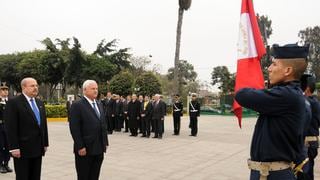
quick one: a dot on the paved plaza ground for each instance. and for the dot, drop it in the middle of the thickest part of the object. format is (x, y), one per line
(218, 153)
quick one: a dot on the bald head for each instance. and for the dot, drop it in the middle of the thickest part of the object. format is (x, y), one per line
(29, 87)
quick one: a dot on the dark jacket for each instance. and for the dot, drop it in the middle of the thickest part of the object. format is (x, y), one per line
(194, 109)
(147, 111)
(158, 110)
(278, 132)
(23, 131)
(87, 129)
(177, 109)
(134, 109)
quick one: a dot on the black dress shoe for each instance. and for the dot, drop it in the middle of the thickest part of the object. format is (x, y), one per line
(3, 169)
(160, 137)
(131, 135)
(143, 135)
(8, 168)
(155, 137)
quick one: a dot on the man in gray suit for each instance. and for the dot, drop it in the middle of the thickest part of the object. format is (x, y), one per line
(158, 113)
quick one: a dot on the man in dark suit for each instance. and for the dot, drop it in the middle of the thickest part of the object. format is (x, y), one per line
(118, 113)
(158, 113)
(109, 107)
(89, 132)
(146, 107)
(26, 125)
(68, 106)
(134, 108)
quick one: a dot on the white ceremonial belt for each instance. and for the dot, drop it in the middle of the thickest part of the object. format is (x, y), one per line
(176, 110)
(265, 167)
(193, 110)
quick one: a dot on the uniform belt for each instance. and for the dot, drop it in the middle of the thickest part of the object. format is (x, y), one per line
(311, 138)
(265, 167)
(193, 110)
(308, 139)
(177, 110)
(1, 121)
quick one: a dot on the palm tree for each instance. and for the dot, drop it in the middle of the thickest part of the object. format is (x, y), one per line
(183, 6)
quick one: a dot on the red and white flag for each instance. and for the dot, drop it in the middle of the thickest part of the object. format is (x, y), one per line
(250, 51)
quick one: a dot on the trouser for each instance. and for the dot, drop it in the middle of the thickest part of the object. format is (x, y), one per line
(194, 125)
(286, 174)
(88, 167)
(312, 154)
(126, 123)
(4, 151)
(158, 127)
(27, 168)
(145, 126)
(134, 131)
(176, 124)
(118, 122)
(111, 123)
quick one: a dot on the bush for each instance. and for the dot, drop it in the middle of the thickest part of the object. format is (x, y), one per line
(55, 111)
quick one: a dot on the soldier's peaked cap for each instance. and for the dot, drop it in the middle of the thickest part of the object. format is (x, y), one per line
(290, 51)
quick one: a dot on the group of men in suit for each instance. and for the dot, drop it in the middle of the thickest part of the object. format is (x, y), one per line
(145, 114)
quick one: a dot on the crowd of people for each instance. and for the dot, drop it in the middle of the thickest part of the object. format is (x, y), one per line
(145, 115)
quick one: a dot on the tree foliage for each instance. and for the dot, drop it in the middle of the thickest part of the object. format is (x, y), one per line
(148, 84)
(122, 83)
(311, 35)
(223, 78)
(186, 74)
(266, 30)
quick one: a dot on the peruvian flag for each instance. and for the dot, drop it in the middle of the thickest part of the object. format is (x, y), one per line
(250, 51)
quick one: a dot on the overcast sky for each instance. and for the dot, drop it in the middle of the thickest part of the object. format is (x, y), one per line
(148, 27)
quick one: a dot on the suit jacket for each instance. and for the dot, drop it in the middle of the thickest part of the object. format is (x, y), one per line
(158, 110)
(146, 111)
(23, 131)
(109, 107)
(87, 129)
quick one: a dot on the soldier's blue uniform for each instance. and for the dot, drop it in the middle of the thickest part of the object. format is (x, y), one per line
(312, 129)
(278, 131)
(4, 151)
(278, 137)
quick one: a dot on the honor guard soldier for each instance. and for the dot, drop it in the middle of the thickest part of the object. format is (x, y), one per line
(194, 113)
(177, 113)
(4, 151)
(277, 136)
(308, 86)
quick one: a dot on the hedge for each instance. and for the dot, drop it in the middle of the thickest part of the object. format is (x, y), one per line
(56, 111)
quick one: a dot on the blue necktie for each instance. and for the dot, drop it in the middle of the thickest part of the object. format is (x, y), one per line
(95, 109)
(35, 110)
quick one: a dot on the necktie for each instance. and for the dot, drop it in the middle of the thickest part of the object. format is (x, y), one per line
(35, 110)
(95, 109)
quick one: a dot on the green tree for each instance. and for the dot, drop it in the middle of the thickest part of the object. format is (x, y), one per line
(148, 84)
(186, 74)
(183, 6)
(223, 78)
(75, 74)
(311, 35)
(108, 51)
(122, 83)
(8, 70)
(29, 66)
(266, 30)
(99, 69)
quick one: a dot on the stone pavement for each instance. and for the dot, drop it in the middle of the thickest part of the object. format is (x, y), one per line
(218, 153)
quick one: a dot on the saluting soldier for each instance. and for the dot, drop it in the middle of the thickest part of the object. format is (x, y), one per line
(277, 136)
(194, 113)
(177, 113)
(308, 86)
(4, 151)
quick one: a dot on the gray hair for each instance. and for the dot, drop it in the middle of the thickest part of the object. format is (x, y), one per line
(25, 80)
(86, 83)
(157, 95)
